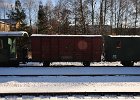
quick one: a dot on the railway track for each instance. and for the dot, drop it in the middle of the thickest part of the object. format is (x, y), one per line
(74, 95)
(84, 74)
(71, 94)
(70, 82)
(71, 75)
(69, 71)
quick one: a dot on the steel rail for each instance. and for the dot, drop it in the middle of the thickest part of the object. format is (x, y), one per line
(70, 94)
(71, 75)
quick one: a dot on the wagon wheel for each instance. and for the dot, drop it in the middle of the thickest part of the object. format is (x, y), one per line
(127, 63)
(46, 63)
(13, 63)
(86, 63)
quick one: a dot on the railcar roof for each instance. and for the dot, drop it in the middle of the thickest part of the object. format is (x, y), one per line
(44, 35)
(124, 36)
(14, 33)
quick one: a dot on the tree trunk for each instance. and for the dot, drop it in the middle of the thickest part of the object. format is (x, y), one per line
(101, 17)
(82, 18)
(92, 14)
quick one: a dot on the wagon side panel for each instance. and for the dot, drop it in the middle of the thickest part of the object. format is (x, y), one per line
(4, 50)
(46, 48)
(97, 50)
(130, 49)
(36, 47)
(108, 48)
(54, 49)
(83, 49)
(66, 48)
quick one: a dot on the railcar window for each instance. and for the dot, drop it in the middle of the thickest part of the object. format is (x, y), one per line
(12, 44)
(118, 44)
(1, 44)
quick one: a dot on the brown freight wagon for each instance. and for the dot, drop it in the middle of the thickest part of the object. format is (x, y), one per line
(66, 48)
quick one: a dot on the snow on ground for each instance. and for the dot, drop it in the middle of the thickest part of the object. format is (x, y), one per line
(69, 87)
(70, 84)
(78, 64)
(74, 64)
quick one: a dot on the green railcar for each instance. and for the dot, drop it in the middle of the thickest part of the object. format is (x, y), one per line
(11, 44)
(125, 49)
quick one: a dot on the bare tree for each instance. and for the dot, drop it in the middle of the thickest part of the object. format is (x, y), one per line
(119, 13)
(92, 4)
(105, 10)
(75, 14)
(57, 15)
(3, 8)
(101, 17)
(31, 7)
(111, 18)
(84, 13)
(82, 19)
(136, 12)
(48, 9)
(126, 15)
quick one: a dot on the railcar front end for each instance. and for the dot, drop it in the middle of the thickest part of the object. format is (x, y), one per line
(9, 54)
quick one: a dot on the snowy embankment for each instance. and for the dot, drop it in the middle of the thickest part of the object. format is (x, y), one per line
(16, 87)
(70, 84)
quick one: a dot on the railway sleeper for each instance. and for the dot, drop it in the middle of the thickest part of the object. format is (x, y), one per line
(46, 63)
(127, 63)
(86, 63)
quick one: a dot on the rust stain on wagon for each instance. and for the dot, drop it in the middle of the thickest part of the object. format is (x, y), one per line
(82, 45)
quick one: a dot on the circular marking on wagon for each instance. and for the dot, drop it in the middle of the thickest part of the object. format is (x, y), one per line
(82, 45)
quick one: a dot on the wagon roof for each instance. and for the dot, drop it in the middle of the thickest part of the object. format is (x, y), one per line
(14, 33)
(124, 36)
(44, 35)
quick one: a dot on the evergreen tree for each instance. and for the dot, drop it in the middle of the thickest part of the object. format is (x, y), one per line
(18, 14)
(42, 22)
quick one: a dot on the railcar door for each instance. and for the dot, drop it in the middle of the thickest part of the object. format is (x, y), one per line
(66, 47)
(112, 48)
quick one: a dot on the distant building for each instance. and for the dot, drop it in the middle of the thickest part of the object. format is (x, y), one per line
(8, 25)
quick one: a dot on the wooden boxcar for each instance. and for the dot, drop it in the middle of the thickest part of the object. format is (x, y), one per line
(8, 47)
(66, 48)
(122, 48)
